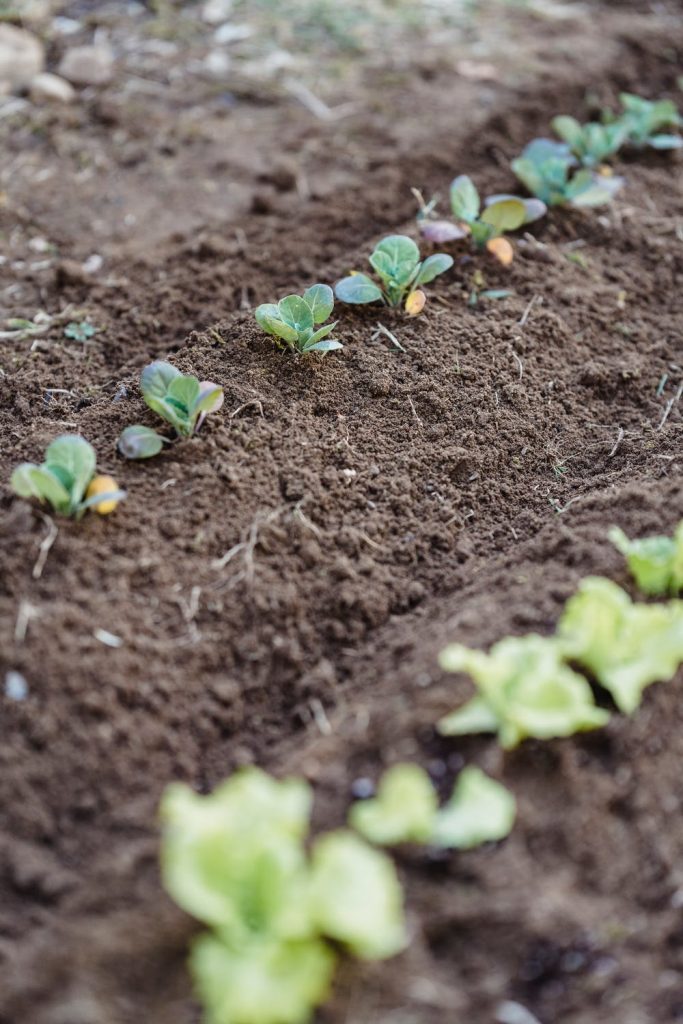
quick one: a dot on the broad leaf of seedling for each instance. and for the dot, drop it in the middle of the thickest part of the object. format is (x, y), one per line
(587, 189)
(320, 298)
(265, 314)
(296, 312)
(396, 258)
(323, 346)
(274, 325)
(656, 563)
(480, 810)
(570, 130)
(505, 215)
(79, 331)
(358, 289)
(534, 209)
(465, 202)
(74, 457)
(183, 392)
(440, 231)
(403, 810)
(432, 267)
(156, 379)
(209, 399)
(31, 481)
(138, 442)
(662, 141)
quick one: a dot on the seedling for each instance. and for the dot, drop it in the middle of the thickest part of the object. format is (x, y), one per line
(295, 320)
(593, 143)
(626, 646)
(656, 563)
(237, 860)
(396, 261)
(79, 331)
(524, 690)
(67, 481)
(406, 810)
(545, 168)
(180, 399)
(501, 213)
(644, 121)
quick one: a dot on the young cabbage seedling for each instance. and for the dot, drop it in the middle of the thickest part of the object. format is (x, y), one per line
(295, 321)
(67, 479)
(180, 399)
(656, 563)
(644, 121)
(396, 261)
(501, 213)
(545, 168)
(593, 143)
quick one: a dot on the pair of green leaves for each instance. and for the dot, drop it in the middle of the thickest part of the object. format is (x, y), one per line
(237, 860)
(396, 261)
(406, 810)
(545, 168)
(591, 143)
(180, 399)
(63, 478)
(500, 214)
(295, 320)
(644, 121)
(656, 563)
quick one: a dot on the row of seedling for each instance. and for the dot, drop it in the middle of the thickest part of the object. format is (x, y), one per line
(280, 910)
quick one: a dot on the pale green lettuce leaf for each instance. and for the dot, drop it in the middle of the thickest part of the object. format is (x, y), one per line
(656, 563)
(480, 810)
(403, 810)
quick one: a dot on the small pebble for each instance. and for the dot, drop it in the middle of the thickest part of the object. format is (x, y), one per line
(16, 687)
(48, 88)
(362, 788)
(216, 11)
(21, 56)
(88, 65)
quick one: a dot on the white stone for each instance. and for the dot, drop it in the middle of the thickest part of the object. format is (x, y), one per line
(230, 33)
(21, 56)
(216, 11)
(88, 65)
(48, 88)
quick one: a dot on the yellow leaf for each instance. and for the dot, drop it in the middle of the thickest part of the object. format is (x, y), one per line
(103, 485)
(415, 302)
(502, 250)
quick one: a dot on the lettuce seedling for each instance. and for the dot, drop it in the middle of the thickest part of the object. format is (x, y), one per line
(656, 563)
(406, 810)
(67, 481)
(181, 399)
(524, 690)
(593, 143)
(237, 860)
(295, 320)
(644, 121)
(501, 213)
(396, 261)
(545, 169)
(626, 646)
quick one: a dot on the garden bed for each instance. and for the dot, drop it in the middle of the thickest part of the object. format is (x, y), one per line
(279, 587)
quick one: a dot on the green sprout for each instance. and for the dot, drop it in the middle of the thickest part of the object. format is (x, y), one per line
(593, 143)
(545, 169)
(396, 261)
(525, 689)
(180, 399)
(644, 121)
(67, 480)
(238, 861)
(79, 331)
(295, 320)
(406, 810)
(500, 214)
(626, 646)
(656, 563)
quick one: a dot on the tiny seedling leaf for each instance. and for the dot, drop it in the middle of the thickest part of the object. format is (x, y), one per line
(358, 289)
(320, 298)
(656, 563)
(403, 810)
(465, 202)
(138, 442)
(432, 267)
(480, 810)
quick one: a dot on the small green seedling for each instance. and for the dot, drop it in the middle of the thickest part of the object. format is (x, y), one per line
(406, 810)
(525, 689)
(644, 121)
(501, 213)
(626, 646)
(295, 321)
(79, 331)
(180, 399)
(545, 168)
(396, 261)
(593, 143)
(238, 860)
(67, 480)
(656, 563)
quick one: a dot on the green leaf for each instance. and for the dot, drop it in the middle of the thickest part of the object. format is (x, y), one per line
(156, 379)
(281, 330)
(320, 298)
(356, 896)
(183, 392)
(505, 215)
(398, 255)
(662, 141)
(656, 563)
(479, 811)
(569, 129)
(626, 646)
(473, 717)
(465, 202)
(75, 457)
(357, 289)
(588, 189)
(526, 686)
(209, 399)
(296, 313)
(440, 231)
(265, 314)
(321, 333)
(323, 346)
(31, 481)
(403, 810)
(263, 983)
(138, 442)
(79, 331)
(432, 267)
(97, 499)
(235, 859)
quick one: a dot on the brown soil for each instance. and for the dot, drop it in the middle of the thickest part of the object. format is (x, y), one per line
(386, 502)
